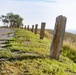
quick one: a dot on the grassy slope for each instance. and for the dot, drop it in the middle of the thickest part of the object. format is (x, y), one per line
(28, 55)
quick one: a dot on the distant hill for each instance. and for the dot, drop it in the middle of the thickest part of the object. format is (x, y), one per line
(72, 31)
(68, 35)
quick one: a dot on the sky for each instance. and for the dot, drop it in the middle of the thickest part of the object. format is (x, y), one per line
(37, 11)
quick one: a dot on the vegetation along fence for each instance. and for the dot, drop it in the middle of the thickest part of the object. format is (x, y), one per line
(58, 35)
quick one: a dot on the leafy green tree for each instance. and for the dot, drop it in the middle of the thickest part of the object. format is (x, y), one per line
(4, 19)
(14, 20)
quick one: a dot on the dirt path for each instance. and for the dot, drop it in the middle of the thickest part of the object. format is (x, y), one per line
(6, 33)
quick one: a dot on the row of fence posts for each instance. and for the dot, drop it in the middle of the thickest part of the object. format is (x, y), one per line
(59, 31)
(42, 30)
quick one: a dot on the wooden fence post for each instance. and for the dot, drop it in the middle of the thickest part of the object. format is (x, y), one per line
(32, 28)
(28, 27)
(25, 27)
(36, 28)
(58, 36)
(42, 30)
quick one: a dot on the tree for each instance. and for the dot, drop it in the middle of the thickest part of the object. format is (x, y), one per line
(14, 20)
(4, 19)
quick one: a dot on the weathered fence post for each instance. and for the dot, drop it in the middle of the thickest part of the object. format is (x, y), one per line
(58, 36)
(32, 28)
(28, 27)
(25, 27)
(42, 30)
(36, 28)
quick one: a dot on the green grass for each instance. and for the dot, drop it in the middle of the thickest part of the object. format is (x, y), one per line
(28, 55)
(69, 52)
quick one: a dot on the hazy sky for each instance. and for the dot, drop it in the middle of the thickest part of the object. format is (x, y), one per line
(37, 11)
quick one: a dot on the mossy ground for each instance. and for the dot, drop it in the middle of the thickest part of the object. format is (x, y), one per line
(28, 55)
